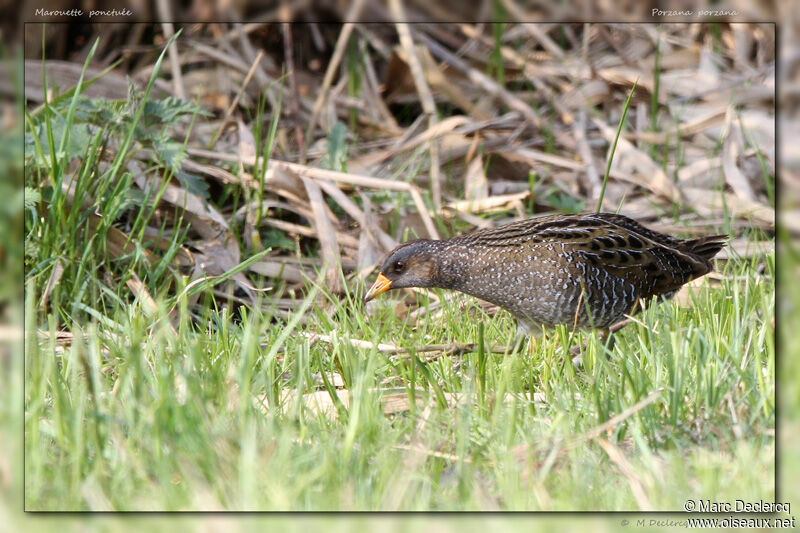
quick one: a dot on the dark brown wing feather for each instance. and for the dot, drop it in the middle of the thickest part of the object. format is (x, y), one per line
(653, 262)
(706, 247)
(656, 263)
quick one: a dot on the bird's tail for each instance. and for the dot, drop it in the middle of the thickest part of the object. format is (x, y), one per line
(706, 247)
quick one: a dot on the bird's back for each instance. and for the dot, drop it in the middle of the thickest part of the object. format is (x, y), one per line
(588, 270)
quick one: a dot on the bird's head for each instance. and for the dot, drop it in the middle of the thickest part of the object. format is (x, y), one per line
(412, 264)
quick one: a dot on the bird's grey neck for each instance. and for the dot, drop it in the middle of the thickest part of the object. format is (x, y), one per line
(451, 263)
(454, 259)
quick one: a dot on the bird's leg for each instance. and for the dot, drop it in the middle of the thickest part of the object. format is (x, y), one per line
(531, 334)
(525, 335)
(532, 344)
(522, 334)
(577, 355)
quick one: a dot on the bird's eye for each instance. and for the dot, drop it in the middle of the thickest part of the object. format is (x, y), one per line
(399, 266)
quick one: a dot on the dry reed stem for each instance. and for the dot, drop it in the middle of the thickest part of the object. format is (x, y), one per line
(326, 235)
(333, 175)
(425, 95)
(294, 101)
(699, 102)
(333, 65)
(165, 14)
(235, 102)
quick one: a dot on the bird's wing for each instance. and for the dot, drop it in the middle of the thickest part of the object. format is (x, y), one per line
(654, 262)
(615, 243)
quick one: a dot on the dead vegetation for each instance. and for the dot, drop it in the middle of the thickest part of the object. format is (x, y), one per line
(383, 132)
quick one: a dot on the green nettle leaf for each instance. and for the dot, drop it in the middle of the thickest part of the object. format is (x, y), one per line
(80, 137)
(115, 117)
(194, 184)
(109, 114)
(171, 153)
(112, 112)
(32, 198)
(170, 109)
(31, 249)
(274, 238)
(85, 108)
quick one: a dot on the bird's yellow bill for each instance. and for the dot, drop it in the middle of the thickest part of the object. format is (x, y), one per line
(381, 285)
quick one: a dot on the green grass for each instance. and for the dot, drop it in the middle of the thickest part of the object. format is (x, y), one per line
(199, 404)
(134, 416)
